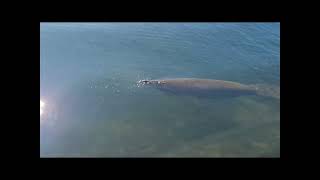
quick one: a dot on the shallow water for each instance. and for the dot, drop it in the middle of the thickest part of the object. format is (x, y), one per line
(94, 107)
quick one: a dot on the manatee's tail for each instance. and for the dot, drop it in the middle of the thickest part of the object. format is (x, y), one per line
(267, 90)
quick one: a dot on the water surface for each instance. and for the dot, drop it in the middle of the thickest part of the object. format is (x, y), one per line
(94, 108)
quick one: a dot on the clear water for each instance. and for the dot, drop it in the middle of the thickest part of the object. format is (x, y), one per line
(94, 107)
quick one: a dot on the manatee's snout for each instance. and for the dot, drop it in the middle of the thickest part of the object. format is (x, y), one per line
(156, 82)
(143, 82)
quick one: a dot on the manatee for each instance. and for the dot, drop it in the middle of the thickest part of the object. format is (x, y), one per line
(208, 87)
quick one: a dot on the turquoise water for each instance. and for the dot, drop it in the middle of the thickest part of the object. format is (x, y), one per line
(94, 108)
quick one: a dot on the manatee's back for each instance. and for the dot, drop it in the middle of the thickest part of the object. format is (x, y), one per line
(205, 86)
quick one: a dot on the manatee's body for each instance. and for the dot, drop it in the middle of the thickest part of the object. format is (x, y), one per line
(202, 87)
